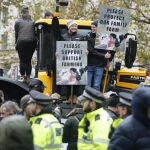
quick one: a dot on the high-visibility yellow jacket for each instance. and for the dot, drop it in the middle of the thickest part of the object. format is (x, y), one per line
(96, 137)
(47, 132)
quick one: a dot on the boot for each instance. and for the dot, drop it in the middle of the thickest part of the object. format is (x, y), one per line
(26, 79)
(74, 99)
(69, 100)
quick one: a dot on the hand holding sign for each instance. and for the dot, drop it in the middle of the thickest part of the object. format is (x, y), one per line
(107, 55)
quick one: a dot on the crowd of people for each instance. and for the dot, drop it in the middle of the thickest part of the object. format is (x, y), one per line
(121, 121)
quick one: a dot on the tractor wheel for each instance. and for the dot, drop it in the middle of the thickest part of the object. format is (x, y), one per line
(130, 53)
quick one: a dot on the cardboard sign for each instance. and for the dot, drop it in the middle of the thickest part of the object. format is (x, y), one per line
(112, 26)
(71, 62)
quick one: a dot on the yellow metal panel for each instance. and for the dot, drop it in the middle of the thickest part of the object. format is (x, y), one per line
(132, 71)
(126, 85)
(131, 75)
(47, 80)
(64, 22)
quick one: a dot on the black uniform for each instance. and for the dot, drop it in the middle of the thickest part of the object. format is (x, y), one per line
(70, 134)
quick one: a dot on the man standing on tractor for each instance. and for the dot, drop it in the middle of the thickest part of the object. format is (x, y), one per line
(97, 59)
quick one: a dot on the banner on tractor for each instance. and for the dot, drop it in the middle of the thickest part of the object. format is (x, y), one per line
(112, 27)
(71, 62)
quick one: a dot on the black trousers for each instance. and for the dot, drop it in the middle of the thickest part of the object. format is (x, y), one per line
(25, 52)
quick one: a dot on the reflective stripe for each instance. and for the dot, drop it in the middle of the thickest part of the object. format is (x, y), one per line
(52, 138)
(37, 147)
(48, 124)
(98, 140)
(101, 140)
(53, 141)
(125, 101)
(83, 141)
(53, 146)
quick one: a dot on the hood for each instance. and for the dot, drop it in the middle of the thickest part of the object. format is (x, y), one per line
(140, 105)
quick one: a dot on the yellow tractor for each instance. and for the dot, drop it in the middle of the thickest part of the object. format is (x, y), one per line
(48, 32)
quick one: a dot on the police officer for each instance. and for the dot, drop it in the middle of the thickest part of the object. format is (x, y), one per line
(95, 125)
(36, 84)
(47, 130)
(124, 110)
(124, 106)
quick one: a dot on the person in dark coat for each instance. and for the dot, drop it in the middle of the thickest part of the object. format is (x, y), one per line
(113, 110)
(134, 132)
(112, 103)
(72, 34)
(25, 42)
(70, 130)
(97, 59)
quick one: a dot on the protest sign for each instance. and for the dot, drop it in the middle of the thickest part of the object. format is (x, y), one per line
(71, 61)
(112, 26)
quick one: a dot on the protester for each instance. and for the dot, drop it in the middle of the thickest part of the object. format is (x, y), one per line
(25, 42)
(8, 108)
(112, 108)
(147, 80)
(134, 131)
(72, 35)
(47, 130)
(16, 134)
(1, 97)
(97, 59)
(57, 110)
(48, 15)
(94, 127)
(146, 83)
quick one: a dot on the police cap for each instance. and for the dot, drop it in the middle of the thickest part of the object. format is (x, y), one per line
(93, 94)
(80, 99)
(25, 100)
(125, 98)
(40, 98)
(36, 84)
